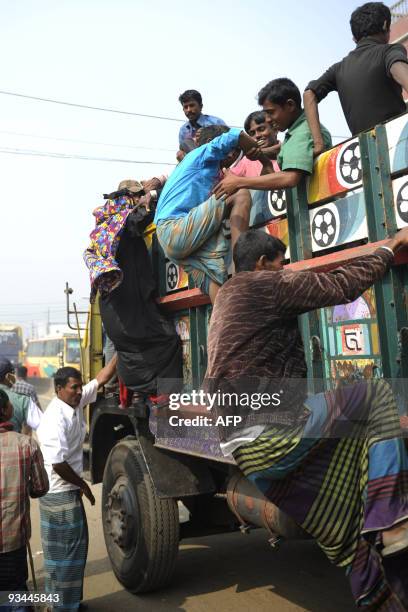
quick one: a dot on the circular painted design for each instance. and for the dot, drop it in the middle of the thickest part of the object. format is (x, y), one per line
(348, 166)
(172, 276)
(325, 227)
(402, 202)
(277, 201)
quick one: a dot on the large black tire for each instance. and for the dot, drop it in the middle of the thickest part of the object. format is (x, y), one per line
(141, 531)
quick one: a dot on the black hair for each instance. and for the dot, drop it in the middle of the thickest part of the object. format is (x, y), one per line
(210, 132)
(4, 401)
(369, 18)
(251, 245)
(21, 371)
(190, 94)
(257, 116)
(63, 374)
(280, 91)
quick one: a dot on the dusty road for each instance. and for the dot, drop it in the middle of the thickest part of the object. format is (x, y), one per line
(227, 573)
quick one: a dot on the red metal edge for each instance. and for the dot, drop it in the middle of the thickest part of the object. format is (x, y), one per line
(195, 297)
(340, 258)
(184, 299)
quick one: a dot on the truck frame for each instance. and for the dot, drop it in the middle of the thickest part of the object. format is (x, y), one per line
(356, 198)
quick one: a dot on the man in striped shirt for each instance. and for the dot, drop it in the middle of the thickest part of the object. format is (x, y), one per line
(307, 453)
(22, 475)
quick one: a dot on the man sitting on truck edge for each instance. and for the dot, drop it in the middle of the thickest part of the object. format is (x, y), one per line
(335, 462)
(192, 104)
(189, 218)
(369, 80)
(259, 126)
(281, 99)
(64, 530)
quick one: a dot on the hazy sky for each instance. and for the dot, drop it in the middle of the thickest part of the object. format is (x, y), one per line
(136, 56)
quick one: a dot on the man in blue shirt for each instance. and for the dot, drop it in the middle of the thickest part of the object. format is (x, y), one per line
(189, 219)
(192, 104)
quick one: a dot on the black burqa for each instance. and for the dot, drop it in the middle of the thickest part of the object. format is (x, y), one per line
(146, 342)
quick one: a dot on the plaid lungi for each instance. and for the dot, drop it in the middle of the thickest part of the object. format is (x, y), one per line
(197, 242)
(343, 476)
(64, 535)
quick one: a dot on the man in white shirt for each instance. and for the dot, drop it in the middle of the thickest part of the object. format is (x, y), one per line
(64, 530)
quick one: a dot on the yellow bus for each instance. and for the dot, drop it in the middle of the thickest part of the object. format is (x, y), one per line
(45, 355)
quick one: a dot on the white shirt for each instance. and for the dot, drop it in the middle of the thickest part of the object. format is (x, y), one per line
(61, 434)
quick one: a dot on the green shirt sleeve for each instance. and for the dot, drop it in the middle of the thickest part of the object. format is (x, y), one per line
(297, 152)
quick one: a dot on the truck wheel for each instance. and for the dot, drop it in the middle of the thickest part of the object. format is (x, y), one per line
(141, 531)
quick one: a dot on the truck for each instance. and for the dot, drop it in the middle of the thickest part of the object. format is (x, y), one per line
(355, 199)
(11, 343)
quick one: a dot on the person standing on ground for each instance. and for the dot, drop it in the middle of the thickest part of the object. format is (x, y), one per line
(64, 530)
(23, 387)
(369, 80)
(22, 475)
(26, 413)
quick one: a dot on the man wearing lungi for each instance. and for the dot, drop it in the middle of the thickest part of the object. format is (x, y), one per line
(64, 530)
(335, 462)
(22, 475)
(189, 219)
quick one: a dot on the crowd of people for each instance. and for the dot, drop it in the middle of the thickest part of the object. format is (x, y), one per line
(335, 462)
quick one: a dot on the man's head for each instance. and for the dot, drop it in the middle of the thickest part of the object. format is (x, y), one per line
(7, 376)
(68, 386)
(207, 134)
(257, 250)
(259, 126)
(6, 408)
(21, 372)
(371, 19)
(281, 99)
(192, 104)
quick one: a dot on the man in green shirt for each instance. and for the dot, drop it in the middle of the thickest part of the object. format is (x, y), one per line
(281, 99)
(21, 403)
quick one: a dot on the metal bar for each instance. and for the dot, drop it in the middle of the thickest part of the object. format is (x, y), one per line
(391, 314)
(191, 298)
(299, 232)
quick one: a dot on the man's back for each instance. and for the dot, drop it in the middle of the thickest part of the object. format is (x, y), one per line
(368, 93)
(22, 387)
(247, 335)
(21, 405)
(191, 182)
(21, 473)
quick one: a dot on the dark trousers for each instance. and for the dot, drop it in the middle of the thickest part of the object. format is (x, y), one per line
(13, 573)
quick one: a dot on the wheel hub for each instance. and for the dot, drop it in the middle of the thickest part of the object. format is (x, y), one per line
(120, 515)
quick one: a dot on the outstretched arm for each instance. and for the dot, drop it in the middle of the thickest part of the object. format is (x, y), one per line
(276, 180)
(312, 116)
(107, 372)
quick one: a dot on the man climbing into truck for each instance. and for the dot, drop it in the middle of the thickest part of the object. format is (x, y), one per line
(189, 218)
(334, 462)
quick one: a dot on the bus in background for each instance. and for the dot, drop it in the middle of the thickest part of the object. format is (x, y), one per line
(11, 343)
(45, 355)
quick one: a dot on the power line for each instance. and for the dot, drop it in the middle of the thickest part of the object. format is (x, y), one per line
(98, 108)
(106, 144)
(32, 152)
